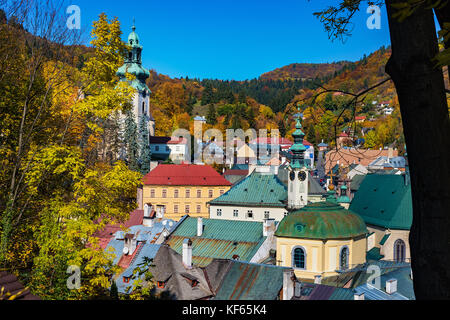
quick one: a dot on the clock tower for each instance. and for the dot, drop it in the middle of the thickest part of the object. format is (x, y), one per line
(298, 171)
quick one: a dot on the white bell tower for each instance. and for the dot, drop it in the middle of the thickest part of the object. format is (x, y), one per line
(299, 174)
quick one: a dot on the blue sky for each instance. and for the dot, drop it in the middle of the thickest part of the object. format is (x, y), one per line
(233, 39)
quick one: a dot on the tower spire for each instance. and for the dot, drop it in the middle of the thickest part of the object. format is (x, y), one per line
(298, 149)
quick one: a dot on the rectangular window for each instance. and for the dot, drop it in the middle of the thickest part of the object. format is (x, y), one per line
(211, 194)
(219, 212)
(157, 148)
(167, 149)
(199, 208)
(199, 193)
(222, 192)
(176, 193)
(235, 213)
(164, 193)
(175, 208)
(188, 193)
(187, 209)
(250, 214)
(266, 215)
(152, 193)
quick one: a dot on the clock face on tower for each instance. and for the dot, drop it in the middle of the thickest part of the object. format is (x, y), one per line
(302, 176)
(292, 175)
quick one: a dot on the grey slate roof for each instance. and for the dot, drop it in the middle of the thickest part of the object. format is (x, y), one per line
(220, 280)
(169, 268)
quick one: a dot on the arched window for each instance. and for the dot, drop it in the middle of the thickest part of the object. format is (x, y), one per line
(299, 258)
(343, 258)
(399, 251)
(143, 107)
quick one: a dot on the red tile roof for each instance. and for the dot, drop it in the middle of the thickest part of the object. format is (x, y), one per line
(236, 173)
(177, 141)
(108, 232)
(269, 141)
(185, 175)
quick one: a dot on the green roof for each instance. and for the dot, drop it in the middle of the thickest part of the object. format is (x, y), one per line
(374, 254)
(221, 239)
(384, 201)
(258, 189)
(322, 220)
(386, 236)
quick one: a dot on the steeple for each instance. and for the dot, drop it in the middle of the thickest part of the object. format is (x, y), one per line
(133, 63)
(298, 149)
(299, 175)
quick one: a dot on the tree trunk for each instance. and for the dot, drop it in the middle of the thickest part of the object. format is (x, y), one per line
(421, 93)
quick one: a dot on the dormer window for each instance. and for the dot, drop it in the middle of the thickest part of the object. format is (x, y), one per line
(126, 280)
(161, 284)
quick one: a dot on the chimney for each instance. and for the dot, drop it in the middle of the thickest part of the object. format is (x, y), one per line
(359, 296)
(268, 227)
(390, 153)
(318, 279)
(148, 221)
(297, 289)
(187, 253)
(160, 210)
(147, 212)
(391, 286)
(288, 284)
(200, 227)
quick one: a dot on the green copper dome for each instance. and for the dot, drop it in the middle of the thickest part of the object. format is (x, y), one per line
(133, 39)
(133, 64)
(322, 220)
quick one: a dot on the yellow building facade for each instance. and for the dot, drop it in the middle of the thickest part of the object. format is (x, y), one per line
(320, 240)
(179, 190)
(179, 201)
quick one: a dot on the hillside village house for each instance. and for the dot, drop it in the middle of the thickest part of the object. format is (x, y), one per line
(177, 190)
(175, 149)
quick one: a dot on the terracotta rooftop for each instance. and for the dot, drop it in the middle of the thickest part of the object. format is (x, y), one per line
(346, 157)
(185, 175)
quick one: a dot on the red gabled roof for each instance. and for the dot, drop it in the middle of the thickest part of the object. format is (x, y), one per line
(185, 175)
(177, 141)
(108, 232)
(360, 118)
(236, 173)
(268, 140)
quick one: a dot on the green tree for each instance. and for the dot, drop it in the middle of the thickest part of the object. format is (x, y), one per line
(211, 117)
(131, 141)
(144, 146)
